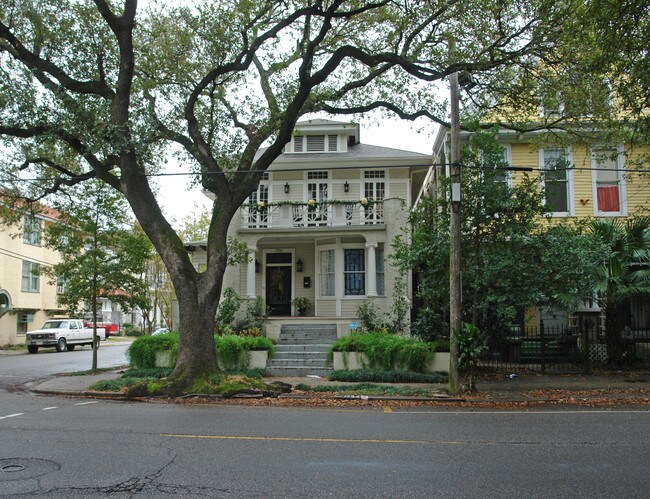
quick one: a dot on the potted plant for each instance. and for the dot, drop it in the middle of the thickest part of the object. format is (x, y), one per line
(302, 305)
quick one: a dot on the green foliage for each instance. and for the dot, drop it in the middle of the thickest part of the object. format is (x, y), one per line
(512, 258)
(369, 375)
(302, 304)
(131, 330)
(472, 343)
(367, 389)
(623, 273)
(368, 314)
(385, 350)
(142, 352)
(232, 350)
(228, 307)
(151, 372)
(400, 307)
(102, 253)
(254, 317)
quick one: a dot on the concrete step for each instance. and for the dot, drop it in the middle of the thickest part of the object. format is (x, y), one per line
(309, 339)
(297, 372)
(311, 347)
(297, 363)
(308, 327)
(306, 354)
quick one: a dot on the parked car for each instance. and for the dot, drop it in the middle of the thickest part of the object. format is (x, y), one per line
(160, 330)
(62, 334)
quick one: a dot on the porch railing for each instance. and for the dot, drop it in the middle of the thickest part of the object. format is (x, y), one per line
(323, 214)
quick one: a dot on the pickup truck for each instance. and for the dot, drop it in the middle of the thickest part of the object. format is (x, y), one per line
(108, 327)
(63, 334)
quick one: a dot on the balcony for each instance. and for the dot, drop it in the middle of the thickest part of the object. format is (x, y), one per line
(323, 214)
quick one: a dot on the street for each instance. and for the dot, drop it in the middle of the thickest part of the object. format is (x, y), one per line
(21, 369)
(68, 447)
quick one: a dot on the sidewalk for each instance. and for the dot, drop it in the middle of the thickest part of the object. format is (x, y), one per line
(600, 389)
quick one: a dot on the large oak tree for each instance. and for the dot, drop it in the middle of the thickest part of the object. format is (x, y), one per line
(99, 89)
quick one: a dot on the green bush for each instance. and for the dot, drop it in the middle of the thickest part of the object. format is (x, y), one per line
(384, 350)
(154, 372)
(231, 349)
(142, 352)
(372, 376)
(130, 330)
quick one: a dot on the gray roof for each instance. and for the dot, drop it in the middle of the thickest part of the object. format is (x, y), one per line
(357, 151)
(365, 151)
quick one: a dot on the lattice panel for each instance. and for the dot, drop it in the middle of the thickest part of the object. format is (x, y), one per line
(598, 353)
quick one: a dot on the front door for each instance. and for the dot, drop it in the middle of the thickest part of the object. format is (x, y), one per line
(278, 289)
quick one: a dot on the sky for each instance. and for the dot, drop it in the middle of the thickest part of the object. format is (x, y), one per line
(178, 201)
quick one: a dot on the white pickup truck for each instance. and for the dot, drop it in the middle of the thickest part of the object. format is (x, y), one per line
(63, 334)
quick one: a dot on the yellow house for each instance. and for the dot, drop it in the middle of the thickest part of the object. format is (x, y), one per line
(27, 299)
(579, 181)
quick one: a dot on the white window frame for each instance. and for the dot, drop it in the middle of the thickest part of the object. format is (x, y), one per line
(320, 274)
(365, 269)
(374, 214)
(569, 181)
(30, 281)
(380, 257)
(299, 143)
(255, 217)
(622, 191)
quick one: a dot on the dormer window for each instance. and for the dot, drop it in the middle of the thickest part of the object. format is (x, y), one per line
(315, 143)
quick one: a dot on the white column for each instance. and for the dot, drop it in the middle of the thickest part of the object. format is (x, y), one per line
(371, 270)
(250, 272)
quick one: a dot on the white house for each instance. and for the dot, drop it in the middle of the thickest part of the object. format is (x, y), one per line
(321, 223)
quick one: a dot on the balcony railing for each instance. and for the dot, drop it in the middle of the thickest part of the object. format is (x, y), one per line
(323, 214)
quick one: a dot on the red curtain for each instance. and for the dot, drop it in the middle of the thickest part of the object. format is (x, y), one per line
(608, 199)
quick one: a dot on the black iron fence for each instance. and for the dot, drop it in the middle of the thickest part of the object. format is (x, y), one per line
(562, 349)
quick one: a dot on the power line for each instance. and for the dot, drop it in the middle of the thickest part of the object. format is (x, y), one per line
(524, 168)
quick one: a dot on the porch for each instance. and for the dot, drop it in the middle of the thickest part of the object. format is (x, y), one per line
(323, 214)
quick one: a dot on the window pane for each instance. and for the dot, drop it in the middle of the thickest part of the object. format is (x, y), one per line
(556, 196)
(379, 258)
(556, 183)
(354, 272)
(327, 273)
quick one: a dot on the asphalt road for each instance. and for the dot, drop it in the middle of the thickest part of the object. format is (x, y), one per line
(17, 370)
(67, 447)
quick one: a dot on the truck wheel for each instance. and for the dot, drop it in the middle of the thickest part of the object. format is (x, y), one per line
(61, 345)
(97, 343)
(71, 348)
(32, 348)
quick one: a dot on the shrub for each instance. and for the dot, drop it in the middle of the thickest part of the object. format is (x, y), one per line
(131, 330)
(231, 349)
(142, 352)
(255, 316)
(430, 325)
(384, 350)
(228, 307)
(372, 376)
(369, 315)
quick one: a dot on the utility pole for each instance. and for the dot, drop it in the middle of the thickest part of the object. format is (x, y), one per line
(454, 238)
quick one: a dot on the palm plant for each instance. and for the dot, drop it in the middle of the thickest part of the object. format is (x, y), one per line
(624, 273)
